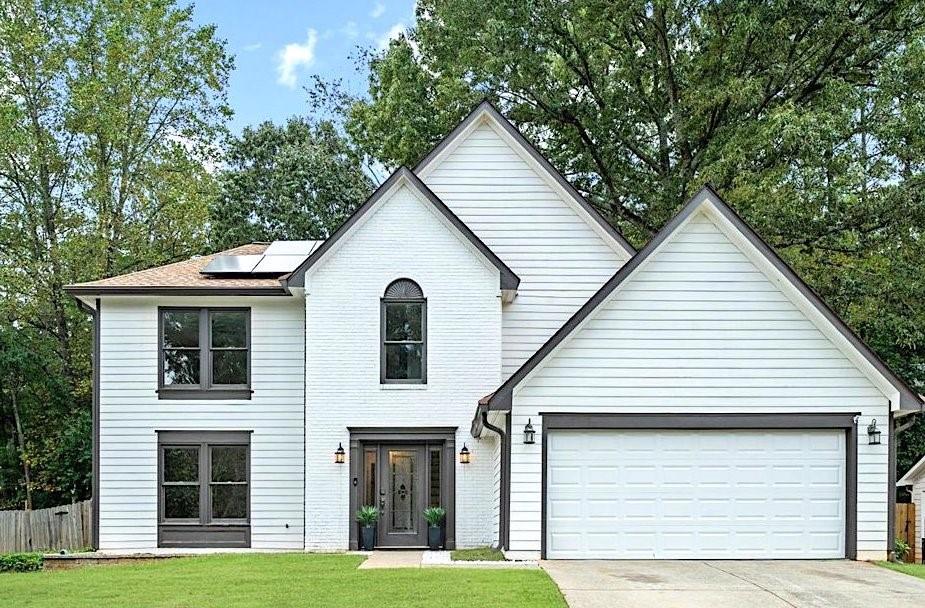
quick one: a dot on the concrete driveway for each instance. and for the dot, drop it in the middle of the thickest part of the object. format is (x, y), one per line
(721, 584)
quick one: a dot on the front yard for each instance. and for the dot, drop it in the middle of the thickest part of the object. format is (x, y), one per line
(916, 570)
(281, 581)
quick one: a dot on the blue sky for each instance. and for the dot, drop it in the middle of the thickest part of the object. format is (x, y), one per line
(279, 44)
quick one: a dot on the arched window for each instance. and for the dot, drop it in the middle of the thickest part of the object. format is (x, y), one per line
(403, 358)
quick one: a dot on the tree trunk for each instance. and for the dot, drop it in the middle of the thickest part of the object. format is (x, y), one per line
(21, 441)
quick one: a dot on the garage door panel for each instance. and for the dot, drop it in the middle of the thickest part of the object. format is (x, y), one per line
(696, 494)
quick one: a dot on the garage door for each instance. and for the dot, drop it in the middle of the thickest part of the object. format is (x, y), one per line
(747, 494)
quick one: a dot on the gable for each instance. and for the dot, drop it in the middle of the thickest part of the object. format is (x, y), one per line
(718, 294)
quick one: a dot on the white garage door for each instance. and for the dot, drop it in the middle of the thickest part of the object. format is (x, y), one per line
(695, 494)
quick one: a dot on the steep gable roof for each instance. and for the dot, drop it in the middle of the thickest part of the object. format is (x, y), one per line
(403, 175)
(913, 474)
(486, 110)
(707, 196)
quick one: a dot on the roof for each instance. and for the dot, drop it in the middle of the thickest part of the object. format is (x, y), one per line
(487, 108)
(185, 278)
(501, 398)
(404, 175)
(913, 474)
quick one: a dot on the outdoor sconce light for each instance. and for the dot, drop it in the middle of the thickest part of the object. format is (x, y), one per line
(464, 455)
(529, 433)
(873, 433)
(339, 453)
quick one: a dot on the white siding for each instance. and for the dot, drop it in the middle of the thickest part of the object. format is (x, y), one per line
(560, 258)
(698, 328)
(130, 415)
(403, 237)
(918, 498)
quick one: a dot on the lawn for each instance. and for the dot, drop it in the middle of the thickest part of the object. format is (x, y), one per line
(281, 581)
(916, 570)
(479, 554)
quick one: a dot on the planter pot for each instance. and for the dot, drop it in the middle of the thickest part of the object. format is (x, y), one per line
(434, 537)
(367, 538)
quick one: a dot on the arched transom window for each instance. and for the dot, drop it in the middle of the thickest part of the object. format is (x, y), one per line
(404, 334)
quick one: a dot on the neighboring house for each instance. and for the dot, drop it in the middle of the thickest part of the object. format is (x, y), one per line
(693, 399)
(914, 480)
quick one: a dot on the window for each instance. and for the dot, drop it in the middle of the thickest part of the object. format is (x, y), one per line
(204, 353)
(404, 334)
(204, 495)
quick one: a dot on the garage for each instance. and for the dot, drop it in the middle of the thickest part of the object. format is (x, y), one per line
(697, 493)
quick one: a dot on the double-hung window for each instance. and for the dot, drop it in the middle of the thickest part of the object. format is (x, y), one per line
(204, 353)
(403, 356)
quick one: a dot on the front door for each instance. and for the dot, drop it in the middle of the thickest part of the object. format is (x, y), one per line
(402, 498)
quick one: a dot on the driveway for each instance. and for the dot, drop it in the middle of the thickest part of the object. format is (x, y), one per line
(722, 584)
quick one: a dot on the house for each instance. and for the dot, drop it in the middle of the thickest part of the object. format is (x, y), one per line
(477, 336)
(914, 480)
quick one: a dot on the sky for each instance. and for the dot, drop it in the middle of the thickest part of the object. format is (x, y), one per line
(278, 45)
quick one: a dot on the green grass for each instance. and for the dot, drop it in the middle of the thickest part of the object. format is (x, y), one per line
(916, 570)
(480, 554)
(281, 581)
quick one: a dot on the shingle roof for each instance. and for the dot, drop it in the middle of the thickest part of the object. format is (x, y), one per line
(182, 277)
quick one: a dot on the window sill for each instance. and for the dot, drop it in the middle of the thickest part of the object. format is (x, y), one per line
(420, 386)
(193, 394)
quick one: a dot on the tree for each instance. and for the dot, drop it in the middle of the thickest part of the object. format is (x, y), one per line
(297, 181)
(808, 116)
(109, 110)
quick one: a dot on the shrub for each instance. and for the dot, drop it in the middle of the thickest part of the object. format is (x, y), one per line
(434, 515)
(368, 515)
(20, 562)
(901, 549)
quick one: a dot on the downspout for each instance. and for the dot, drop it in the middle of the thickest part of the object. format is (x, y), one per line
(95, 418)
(502, 506)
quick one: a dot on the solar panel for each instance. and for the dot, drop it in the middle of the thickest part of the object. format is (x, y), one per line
(279, 263)
(302, 248)
(232, 264)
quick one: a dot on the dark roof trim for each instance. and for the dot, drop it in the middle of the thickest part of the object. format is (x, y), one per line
(126, 290)
(509, 280)
(501, 400)
(489, 108)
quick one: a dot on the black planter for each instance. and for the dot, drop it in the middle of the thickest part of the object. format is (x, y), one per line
(367, 538)
(434, 537)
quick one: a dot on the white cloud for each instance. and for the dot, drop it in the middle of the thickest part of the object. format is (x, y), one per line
(252, 47)
(293, 56)
(383, 41)
(378, 10)
(350, 30)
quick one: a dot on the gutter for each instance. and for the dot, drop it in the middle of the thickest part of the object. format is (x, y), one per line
(82, 290)
(502, 491)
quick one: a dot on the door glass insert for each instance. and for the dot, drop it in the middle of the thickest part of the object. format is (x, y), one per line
(433, 499)
(401, 489)
(369, 478)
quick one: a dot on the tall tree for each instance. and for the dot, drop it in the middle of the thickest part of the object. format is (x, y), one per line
(296, 181)
(809, 117)
(109, 110)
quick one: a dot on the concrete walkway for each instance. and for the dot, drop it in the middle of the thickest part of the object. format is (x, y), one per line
(393, 559)
(722, 584)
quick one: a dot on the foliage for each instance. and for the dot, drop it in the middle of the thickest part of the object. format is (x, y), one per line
(808, 116)
(916, 570)
(368, 515)
(434, 515)
(298, 181)
(20, 562)
(287, 580)
(109, 111)
(901, 549)
(479, 554)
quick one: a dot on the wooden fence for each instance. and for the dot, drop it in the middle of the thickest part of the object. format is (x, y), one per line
(66, 527)
(905, 529)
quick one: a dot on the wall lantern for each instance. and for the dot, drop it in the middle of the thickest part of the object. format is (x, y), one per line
(529, 433)
(464, 455)
(873, 433)
(339, 453)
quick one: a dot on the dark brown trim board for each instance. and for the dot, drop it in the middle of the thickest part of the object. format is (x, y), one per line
(501, 399)
(558, 421)
(434, 435)
(108, 290)
(489, 108)
(891, 487)
(95, 499)
(509, 280)
(504, 491)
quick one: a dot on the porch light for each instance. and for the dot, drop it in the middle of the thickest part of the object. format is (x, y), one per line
(529, 433)
(873, 433)
(339, 453)
(464, 455)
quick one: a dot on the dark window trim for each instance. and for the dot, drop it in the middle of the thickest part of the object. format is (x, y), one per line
(205, 390)
(845, 421)
(383, 302)
(203, 531)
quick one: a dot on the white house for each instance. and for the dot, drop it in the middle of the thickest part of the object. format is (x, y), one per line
(693, 399)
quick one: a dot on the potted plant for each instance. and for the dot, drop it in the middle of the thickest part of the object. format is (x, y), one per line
(367, 517)
(434, 517)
